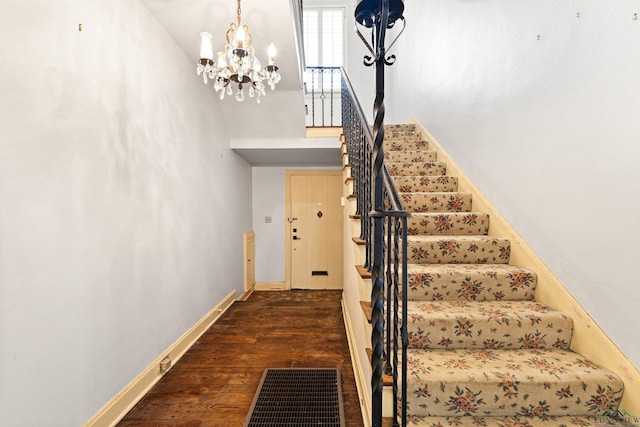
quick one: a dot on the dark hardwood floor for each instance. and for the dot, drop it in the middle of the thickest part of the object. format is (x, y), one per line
(215, 381)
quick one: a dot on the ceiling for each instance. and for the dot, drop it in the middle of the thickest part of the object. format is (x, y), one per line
(280, 115)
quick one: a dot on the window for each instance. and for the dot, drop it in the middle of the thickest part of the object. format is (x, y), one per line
(323, 32)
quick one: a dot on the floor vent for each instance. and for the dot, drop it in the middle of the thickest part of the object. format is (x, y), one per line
(298, 397)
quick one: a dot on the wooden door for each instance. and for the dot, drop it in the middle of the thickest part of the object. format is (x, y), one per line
(314, 224)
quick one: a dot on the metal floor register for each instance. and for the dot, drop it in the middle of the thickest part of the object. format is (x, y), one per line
(298, 397)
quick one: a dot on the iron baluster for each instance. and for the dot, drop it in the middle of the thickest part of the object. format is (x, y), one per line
(359, 145)
(376, 16)
(388, 369)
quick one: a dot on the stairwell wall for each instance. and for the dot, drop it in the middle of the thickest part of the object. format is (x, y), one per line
(538, 103)
(122, 207)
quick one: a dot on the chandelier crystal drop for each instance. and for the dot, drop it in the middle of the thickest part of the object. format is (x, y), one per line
(237, 64)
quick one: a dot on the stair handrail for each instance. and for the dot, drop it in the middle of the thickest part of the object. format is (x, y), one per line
(390, 240)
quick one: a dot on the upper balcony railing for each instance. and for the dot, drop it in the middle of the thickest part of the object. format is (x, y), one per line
(323, 96)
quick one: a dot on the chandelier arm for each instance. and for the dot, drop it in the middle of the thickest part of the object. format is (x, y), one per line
(248, 36)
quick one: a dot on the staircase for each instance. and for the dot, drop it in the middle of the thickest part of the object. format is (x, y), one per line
(482, 351)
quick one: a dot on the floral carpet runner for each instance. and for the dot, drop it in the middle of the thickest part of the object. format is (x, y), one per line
(482, 352)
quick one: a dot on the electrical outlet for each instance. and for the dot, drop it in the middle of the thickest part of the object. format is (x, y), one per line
(267, 220)
(165, 364)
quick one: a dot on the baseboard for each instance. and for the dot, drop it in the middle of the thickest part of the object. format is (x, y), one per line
(245, 295)
(588, 339)
(271, 286)
(361, 379)
(121, 404)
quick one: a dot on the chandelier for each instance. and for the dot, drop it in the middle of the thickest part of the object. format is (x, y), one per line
(237, 64)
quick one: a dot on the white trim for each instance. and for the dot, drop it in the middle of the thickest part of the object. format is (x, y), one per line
(296, 16)
(111, 413)
(271, 286)
(245, 295)
(358, 373)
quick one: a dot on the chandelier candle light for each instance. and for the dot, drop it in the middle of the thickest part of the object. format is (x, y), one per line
(237, 64)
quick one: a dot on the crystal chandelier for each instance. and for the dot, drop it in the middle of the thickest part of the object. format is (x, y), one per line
(237, 64)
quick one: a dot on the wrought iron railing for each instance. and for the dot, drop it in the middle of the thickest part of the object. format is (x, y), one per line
(322, 96)
(384, 230)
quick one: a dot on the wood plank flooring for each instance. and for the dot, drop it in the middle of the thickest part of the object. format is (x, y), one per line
(215, 381)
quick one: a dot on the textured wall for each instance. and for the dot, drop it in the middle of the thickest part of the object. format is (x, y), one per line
(538, 101)
(121, 206)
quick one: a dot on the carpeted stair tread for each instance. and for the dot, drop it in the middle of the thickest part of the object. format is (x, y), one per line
(458, 250)
(436, 202)
(406, 143)
(507, 383)
(406, 156)
(400, 135)
(470, 282)
(448, 223)
(400, 132)
(489, 324)
(425, 183)
(417, 168)
(517, 421)
(391, 127)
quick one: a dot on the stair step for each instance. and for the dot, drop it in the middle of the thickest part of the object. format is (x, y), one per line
(507, 383)
(448, 223)
(358, 241)
(489, 324)
(470, 282)
(367, 311)
(407, 143)
(408, 156)
(458, 250)
(417, 168)
(387, 380)
(425, 183)
(363, 272)
(436, 202)
(517, 421)
(395, 127)
(400, 134)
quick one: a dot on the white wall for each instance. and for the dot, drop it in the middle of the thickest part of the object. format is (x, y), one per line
(122, 207)
(269, 200)
(546, 126)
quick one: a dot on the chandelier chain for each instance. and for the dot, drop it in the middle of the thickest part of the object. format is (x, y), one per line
(239, 12)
